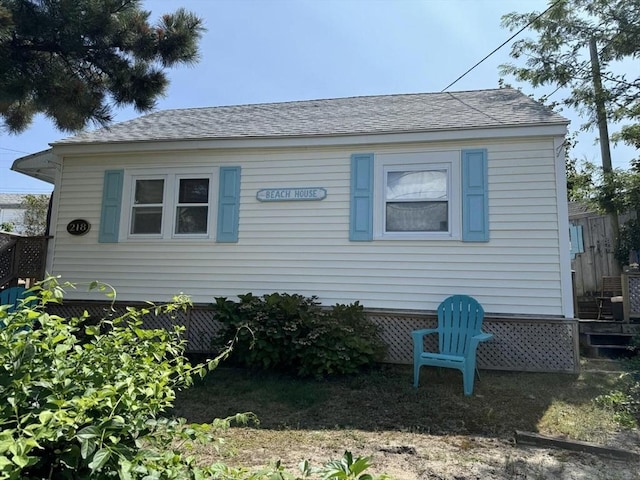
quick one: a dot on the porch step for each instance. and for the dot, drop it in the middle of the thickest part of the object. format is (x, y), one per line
(607, 344)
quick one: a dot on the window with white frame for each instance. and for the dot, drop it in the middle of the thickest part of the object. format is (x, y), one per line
(416, 200)
(169, 205)
(418, 196)
(192, 207)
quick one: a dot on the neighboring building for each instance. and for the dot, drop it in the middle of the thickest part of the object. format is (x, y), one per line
(394, 201)
(12, 210)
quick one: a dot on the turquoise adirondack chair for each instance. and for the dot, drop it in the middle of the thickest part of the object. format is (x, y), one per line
(459, 333)
(12, 296)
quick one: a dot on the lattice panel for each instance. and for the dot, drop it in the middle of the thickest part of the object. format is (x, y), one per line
(396, 330)
(95, 310)
(6, 257)
(534, 345)
(202, 328)
(634, 293)
(31, 254)
(518, 344)
(523, 345)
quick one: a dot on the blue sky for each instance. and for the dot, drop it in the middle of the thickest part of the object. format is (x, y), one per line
(257, 51)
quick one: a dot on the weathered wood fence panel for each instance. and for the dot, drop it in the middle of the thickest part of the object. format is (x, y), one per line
(597, 260)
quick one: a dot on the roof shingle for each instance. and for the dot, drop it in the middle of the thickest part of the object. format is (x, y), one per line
(382, 114)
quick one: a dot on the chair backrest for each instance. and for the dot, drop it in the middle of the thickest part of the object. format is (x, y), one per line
(611, 286)
(11, 296)
(459, 318)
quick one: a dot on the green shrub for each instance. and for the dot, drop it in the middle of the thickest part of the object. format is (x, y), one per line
(87, 399)
(293, 333)
(625, 399)
(83, 399)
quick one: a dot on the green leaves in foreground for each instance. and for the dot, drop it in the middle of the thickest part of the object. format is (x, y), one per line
(82, 398)
(87, 398)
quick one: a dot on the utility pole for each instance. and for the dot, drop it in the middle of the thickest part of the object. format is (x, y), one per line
(603, 129)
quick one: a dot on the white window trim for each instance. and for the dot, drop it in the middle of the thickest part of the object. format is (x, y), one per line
(176, 194)
(449, 161)
(171, 177)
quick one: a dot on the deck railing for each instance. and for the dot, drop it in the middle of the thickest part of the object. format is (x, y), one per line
(22, 258)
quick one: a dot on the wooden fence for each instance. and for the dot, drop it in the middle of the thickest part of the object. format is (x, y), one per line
(597, 260)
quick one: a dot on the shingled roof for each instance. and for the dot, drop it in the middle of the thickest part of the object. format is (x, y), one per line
(407, 113)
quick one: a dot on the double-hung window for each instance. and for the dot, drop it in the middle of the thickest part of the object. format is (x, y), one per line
(175, 205)
(148, 206)
(192, 206)
(416, 200)
(418, 196)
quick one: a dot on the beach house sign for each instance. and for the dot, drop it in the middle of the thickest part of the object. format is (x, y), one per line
(291, 194)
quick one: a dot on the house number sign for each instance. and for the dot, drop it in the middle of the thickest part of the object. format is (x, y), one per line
(78, 227)
(291, 194)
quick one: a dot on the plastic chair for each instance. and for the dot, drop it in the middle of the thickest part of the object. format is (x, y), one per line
(459, 333)
(12, 296)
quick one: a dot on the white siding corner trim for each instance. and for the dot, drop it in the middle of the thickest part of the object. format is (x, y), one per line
(566, 281)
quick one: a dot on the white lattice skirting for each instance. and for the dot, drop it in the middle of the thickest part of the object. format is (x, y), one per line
(520, 344)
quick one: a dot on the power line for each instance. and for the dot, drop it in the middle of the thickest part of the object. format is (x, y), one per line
(498, 48)
(12, 150)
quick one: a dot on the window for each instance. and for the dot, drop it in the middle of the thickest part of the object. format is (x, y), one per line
(169, 206)
(416, 201)
(146, 217)
(417, 196)
(192, 210)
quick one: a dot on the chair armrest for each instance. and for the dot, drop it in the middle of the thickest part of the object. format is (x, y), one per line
(418, 334)
(483, 337)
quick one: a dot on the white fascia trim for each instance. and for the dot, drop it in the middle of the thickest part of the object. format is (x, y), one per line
(41, 165)
(71, 149)
(566, 282)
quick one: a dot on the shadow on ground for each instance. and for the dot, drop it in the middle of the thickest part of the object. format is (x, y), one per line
(384, 399)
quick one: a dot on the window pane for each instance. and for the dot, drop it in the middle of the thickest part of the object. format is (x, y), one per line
(149, 191)
(194, 190)
(192, 219)
(146, 220)
(417, 217)
(425, 185)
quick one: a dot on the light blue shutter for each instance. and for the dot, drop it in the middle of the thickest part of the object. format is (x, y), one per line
(111, 204)
(475, 196)
(577, 241)
(361, 213)
(228, 205)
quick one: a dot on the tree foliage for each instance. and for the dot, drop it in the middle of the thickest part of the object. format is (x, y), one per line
(35, 214)
(559, 56)
(75, 60)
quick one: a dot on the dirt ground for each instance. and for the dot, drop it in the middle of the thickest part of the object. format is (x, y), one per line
(433, 432)
(415, 456)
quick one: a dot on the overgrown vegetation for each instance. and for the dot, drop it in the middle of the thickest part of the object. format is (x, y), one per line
(81, 399)
(292, 333)
(35, 214)
(625, 398)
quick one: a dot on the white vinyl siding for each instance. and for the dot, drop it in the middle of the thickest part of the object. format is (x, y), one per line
(304, 247)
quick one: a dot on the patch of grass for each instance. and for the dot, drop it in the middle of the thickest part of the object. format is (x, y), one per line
(384, 399)
(441, 432)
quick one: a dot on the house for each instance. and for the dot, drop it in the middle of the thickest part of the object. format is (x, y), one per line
(396, 201)
(12, 209)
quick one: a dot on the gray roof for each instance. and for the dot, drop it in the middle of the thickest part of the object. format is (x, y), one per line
(15, 199)
(579, 208)
(11, 199)
(420, 112)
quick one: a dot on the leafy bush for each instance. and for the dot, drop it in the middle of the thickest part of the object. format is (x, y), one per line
(82, 399)
(625, 399)
(293, 333)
